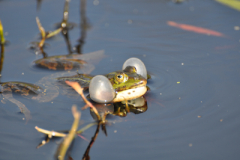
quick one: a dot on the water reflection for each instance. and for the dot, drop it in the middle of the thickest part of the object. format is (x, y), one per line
(65, 62)
(136, 106)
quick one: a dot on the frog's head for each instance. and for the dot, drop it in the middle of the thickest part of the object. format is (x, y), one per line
(123, 85)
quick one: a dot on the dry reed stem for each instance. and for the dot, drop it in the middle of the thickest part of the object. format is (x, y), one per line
(50, 133)
(69, 138)
(79, 90)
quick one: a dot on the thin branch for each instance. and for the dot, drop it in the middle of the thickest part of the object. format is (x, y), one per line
(69, 138)
(50, 133)
(79, 90)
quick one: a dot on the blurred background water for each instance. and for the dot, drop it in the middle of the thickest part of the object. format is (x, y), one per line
(193, 105)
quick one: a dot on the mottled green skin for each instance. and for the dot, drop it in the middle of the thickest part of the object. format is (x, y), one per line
(134, 80)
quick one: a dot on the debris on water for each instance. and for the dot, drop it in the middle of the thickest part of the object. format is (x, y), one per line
(199, 116)
(178, 82)
(96, 2)
(182, 64)
(190, 145)
(195, 29)
(130, 21)
(236, 28)
(221, 120)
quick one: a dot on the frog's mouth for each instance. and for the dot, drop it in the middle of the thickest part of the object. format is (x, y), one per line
(135, 91)
(130, 94)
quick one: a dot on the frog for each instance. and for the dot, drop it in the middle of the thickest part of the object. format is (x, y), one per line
(127, 83)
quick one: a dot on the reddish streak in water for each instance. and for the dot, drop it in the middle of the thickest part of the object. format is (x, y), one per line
(195, 29)
(83, 138)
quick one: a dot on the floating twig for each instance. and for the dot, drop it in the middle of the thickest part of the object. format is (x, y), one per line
(50, 133)
(79, 90)
(86, 127)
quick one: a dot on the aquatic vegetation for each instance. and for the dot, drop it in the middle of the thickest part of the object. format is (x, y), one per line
(44, 34)
(235, 4)
(73, 61)
(2, 39)
(67, 135)
(2, 42)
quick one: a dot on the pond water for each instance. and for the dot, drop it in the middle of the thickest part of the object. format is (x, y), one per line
(193, 102)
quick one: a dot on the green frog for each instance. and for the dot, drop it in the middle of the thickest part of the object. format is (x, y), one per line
(127, 83)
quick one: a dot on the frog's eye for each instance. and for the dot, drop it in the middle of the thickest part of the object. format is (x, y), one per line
(137, 64)
(121, 77)
(101, 89)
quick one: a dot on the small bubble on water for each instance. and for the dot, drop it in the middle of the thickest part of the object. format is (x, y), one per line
(182, 64)
(130, 21)
(23, 73)
(201, 101)
(160, 93)
(95, 2)
(236, 28)
(43, 142)
(115, 131)
(190, 145)
(179, 97)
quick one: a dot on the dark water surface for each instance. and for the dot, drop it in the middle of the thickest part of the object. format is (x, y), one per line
(197, 118)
